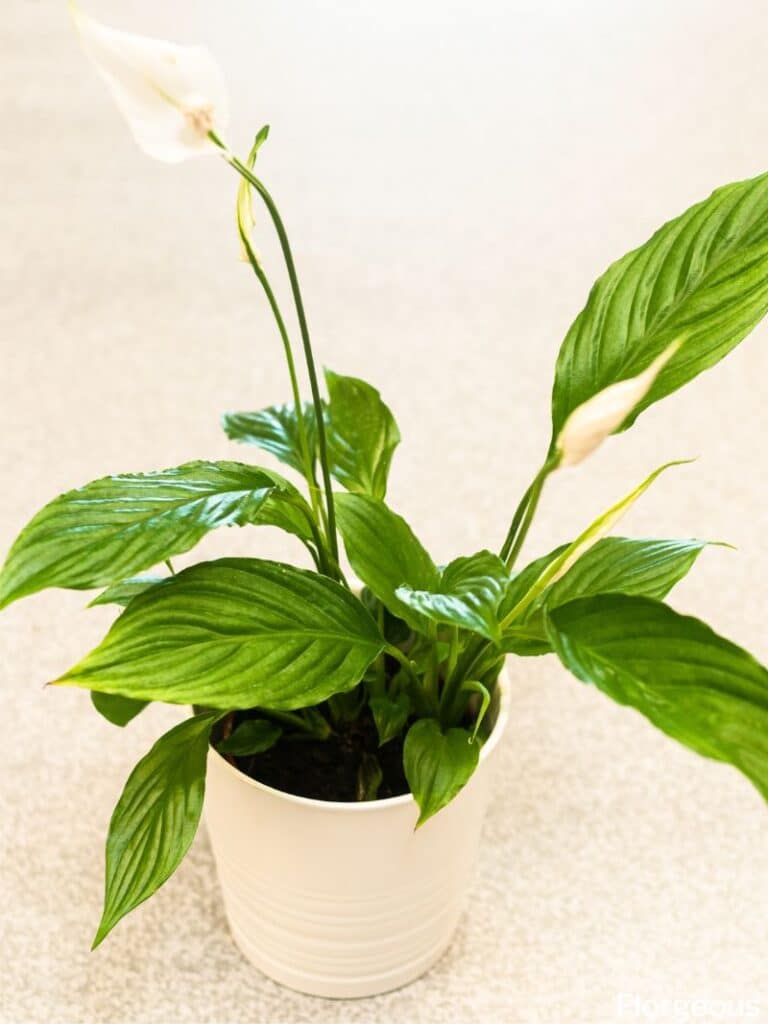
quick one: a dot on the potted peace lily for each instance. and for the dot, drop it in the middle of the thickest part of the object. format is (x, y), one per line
(348, 732)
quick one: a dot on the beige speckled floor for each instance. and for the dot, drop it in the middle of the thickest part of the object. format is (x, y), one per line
(454, 176)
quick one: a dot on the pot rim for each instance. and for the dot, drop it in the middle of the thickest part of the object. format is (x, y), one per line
(391, 802)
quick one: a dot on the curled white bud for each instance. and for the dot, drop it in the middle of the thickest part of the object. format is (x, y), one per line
(172, 96)
(597, 418)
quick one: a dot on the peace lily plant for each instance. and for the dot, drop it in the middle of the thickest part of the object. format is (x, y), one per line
(271, 655)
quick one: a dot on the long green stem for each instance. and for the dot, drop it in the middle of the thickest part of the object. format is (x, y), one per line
(431, 676)
(514, 526)
(306, 455)
(423, 703)
(452, 686)
(477, 647)
(292, 718)
(523, 517)
(308, 355)
(534, 495)
(380, 682)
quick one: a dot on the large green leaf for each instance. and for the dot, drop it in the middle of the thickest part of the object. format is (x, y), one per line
(437, 764)
(362, 435)
(111, 528)
(650, 568)
(155, 819)
(694, 685)
(702, 278)
(385, 554)
(467, 595)
(235, 633)
(275, 429)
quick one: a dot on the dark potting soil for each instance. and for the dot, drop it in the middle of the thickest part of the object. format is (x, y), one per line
(328, 769)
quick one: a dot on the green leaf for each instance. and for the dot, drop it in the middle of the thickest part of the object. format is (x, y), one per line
(437, 764)
(155, 819)
(253, 736)
(235, 633)
(124, 592)
(117, 709)
(390, 715)
(275, 430)
(114, 527)
(699, 688)
(362, 435)
(385, 554)
(285, 508)
(467, 595)
(514, 613)
(702, 278)
(649, 568)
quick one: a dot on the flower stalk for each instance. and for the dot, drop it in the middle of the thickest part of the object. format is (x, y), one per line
(285, 246)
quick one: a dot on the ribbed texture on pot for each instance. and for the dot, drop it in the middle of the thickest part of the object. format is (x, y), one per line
(341, 899)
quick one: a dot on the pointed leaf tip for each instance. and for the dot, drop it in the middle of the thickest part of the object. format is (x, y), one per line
(700, 277)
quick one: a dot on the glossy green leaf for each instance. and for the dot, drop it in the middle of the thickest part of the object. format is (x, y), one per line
(155, 819)
(385, 554)
(437, 764)
(275, 430)
(285, 508)
(115, 708)
(253, 736)
(650, 568)
(699, 688)
(235, 633)
(702, 278)
(111, 528)
(390, 715)
(124, 592)
(467, 594)
(362, 435)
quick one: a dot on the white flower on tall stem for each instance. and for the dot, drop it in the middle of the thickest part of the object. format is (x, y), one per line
(596, 419)
(172, 96)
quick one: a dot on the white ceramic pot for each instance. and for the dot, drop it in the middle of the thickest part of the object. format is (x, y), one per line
(344, 899)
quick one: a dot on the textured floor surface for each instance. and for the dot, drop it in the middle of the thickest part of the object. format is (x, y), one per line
(454, 176)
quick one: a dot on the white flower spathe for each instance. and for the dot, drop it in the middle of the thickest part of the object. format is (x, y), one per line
(597, 418)
(172, 96)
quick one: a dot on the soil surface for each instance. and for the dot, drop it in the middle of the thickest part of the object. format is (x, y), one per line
(328, 769)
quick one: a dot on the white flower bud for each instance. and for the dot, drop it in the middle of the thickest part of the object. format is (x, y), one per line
(597, 418)
(171, 96)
